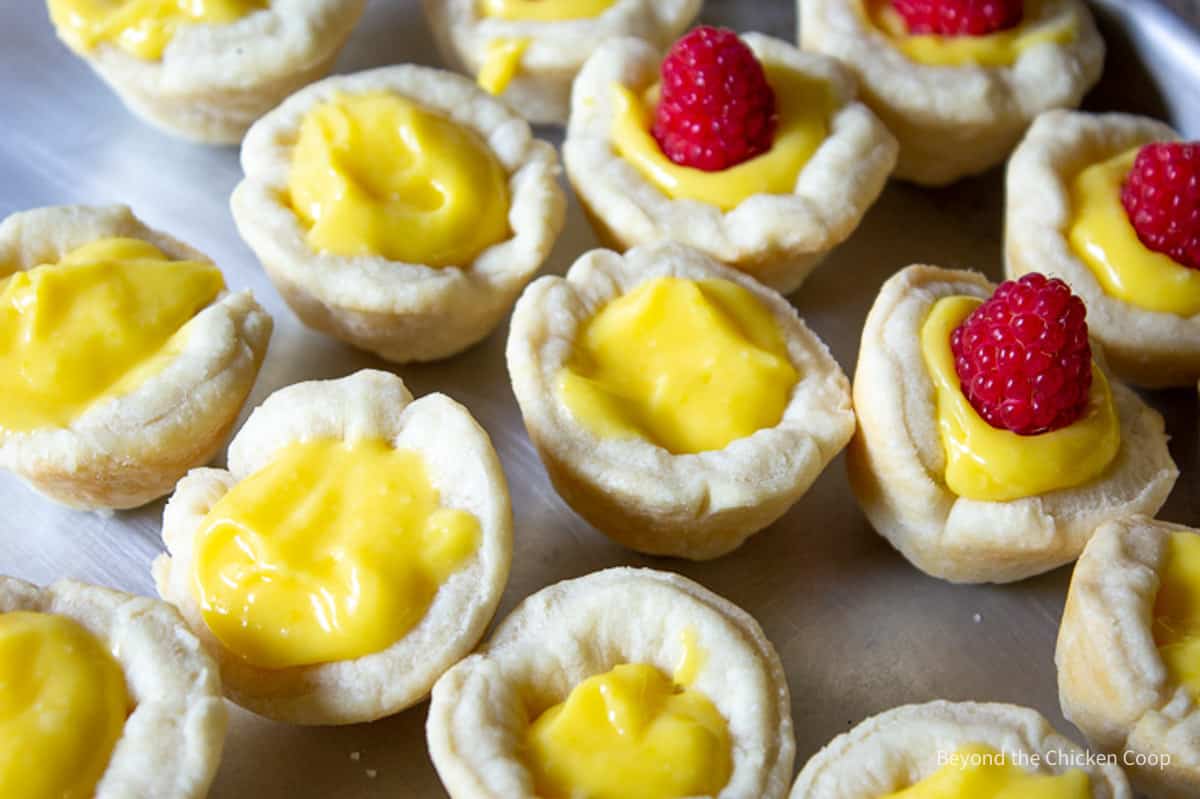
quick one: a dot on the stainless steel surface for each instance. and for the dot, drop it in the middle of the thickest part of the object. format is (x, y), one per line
(858, 628)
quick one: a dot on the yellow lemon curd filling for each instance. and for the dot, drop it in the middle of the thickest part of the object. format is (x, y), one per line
(63, 705)
(981, 772)
(633, 733)
(999, 49)
(502, 59)
(687, 365)
(1177, 611)
(501, 63)
(804, 104)
(376, 174)
(332, 551)
(1102, 236)
(994, 465)
(92, 326)
(544, 10)
(142, 28)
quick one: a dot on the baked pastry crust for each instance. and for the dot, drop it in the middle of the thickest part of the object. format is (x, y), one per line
(213, 81)
(1111, 680)
(126, 451)
(171, 743)
(541, 91)
(896, 461)
(578, 628)
(954, 121)
(894, 749)
(696, 506)
(461, 465)
(778, 239)
(1145, 347)
(402, 312)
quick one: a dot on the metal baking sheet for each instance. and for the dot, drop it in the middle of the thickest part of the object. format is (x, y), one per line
(858, 629)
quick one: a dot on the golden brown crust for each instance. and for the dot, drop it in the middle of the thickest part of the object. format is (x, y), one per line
(126, 451)
(464, 469)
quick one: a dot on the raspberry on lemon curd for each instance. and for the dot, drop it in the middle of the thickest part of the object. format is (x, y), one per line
(742, 147)
(1111, 202)
(991, 442)
(958, 81)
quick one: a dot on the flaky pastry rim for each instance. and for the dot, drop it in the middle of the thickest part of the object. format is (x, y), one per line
(198, 394)
(261, 48)
(1107, 629)
(376, 284)
(896, 461)
(461, 465)
(171, 744)
(682, 493)
(890, 751)
(577, 628)
(833, 191)
(560, 46)
(1038, 213)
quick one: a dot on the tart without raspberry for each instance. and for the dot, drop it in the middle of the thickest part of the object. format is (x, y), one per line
(742, 147)
(958, 81)
(205, 70)
(991, 441)
(956, 749)
(1109, 202)
(1126, 650)
(529, 52)
(678, 405)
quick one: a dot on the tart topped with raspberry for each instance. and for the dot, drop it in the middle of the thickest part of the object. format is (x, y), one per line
(991, 440)
(529, 51)
(958, 81)
(1110, 202)
(740, 146)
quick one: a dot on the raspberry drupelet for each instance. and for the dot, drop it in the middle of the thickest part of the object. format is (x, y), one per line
(1161, 195)
(717, 108)
(1023, 356)
(959, 17)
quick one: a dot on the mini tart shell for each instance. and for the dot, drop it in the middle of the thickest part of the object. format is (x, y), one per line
(779, 239)
(576, 629)
(953, 122)
(213, 81)
(900, 747)
(541, 91)
(461, 465)
(171, 744)
(1112, 682)
(129, 450)
(1147, 348)
(696, 506)
(402, 312)
(896, 461)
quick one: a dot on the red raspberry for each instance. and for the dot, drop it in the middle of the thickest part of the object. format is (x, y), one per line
(960, 17)
(1162, 197)
(717, 109)
(1023, 357)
